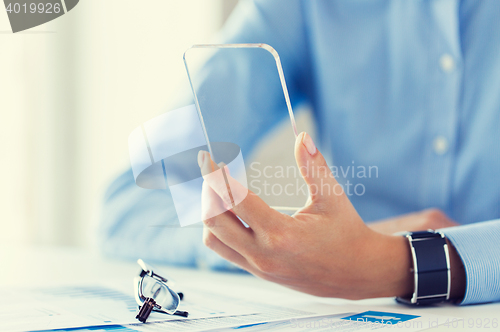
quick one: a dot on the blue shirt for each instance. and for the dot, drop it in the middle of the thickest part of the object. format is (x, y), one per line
(412, 87)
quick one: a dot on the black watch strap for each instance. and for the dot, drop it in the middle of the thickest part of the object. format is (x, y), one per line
(431, 268)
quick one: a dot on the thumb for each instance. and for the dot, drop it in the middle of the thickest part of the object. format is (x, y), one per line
(315, 171)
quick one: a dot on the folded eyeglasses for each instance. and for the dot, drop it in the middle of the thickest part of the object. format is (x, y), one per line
(154, 293)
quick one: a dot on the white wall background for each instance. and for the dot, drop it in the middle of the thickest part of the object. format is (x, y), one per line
(72, 90)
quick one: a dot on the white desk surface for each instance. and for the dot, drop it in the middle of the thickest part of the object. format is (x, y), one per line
(41, 266)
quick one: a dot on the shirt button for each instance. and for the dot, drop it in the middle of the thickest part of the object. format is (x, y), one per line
(447, 63)
(440, 145)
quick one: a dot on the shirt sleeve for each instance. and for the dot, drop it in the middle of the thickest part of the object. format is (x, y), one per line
(140, 223)
(479, 248)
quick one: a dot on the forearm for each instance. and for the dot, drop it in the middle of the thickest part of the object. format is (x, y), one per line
(390, 267)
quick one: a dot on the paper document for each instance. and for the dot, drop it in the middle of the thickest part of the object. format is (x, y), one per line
(69, 307)
(100, 308)
(354, 321)
(353, 318)
(265, 313)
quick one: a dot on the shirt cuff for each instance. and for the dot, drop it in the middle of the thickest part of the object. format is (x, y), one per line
(478, 245)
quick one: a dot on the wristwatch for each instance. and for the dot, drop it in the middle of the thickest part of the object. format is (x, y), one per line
(431, 268)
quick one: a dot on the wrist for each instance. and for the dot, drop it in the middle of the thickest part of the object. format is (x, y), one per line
(437, 269)
(391, 267)
(400, 273)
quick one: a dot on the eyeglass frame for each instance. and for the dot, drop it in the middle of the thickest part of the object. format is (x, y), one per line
(140, 299)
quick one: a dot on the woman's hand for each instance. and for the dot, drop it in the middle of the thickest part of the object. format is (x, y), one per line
(325, 249)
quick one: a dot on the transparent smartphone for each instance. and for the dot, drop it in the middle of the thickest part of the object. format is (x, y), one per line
(240, 92)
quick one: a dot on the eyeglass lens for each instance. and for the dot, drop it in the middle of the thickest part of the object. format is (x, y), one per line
(163, 296)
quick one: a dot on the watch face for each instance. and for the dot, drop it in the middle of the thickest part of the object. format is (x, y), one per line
(431, 268)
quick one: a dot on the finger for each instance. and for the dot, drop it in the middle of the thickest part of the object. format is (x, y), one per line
(211, 204)
(231, 192)
(212, 242)
(226, 252)
(315, 171)
(245, 204)
(223, 223)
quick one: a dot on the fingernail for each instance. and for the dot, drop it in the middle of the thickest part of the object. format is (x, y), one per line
(201, 158)
(309, 144)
